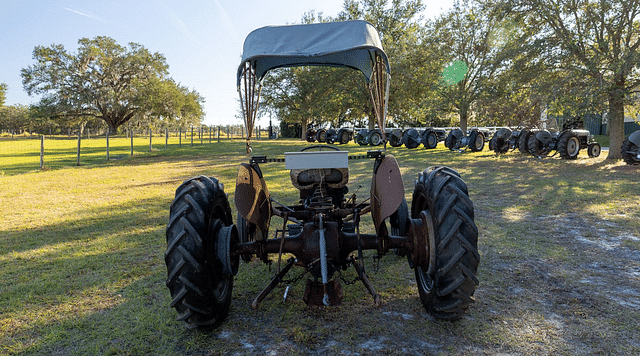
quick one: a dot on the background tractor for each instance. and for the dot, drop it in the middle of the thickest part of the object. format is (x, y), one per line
(631, 148)
(458, 141)
(567, 142)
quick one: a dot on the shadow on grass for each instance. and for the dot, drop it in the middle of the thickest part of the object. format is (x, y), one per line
(548, 282)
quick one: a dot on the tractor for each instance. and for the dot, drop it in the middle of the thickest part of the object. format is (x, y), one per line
(631, 148)
(457, 140)
(567, 142)
(321, 230)
(504, 140)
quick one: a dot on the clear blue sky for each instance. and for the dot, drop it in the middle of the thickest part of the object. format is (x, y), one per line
(201, 39)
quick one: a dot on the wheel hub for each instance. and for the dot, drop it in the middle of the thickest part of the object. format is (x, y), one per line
(422, 232)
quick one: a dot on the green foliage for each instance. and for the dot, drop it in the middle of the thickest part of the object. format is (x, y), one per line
(3, 93)
(107, 81)
(336, 95)
(596, 46)
(15, 117)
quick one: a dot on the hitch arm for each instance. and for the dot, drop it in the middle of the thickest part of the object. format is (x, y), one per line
(274, 282)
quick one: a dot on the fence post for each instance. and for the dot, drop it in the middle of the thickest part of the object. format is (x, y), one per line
(191, 135)
(166, 137)
(131, 137)
(42, 152)
(180, 135)
(218, 134)
(201, 133)
(150, 135)
(79, 139)
(107, 144)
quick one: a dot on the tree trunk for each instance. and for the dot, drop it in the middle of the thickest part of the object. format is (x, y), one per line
(464, 118)
(113, 130)
(303, 134)
(616, 120)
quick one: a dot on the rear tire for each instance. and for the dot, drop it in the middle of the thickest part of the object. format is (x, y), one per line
(411, 138)
(362, 137)
(476, 141)
(630, 152)
(343, 136)
(499, 145)
(395, 138)
(449, 142)
(569, 145)
(321, 136)
(375, 138)
(448, 290)
(430, 139)
(200, 291)
(536, 147)
(523, 141)
(311, 135)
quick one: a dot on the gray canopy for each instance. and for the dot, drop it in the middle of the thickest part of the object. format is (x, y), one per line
(351, 44)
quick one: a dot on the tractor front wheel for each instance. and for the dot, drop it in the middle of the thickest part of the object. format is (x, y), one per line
(446, 283)
(594, 149)
(200, 269)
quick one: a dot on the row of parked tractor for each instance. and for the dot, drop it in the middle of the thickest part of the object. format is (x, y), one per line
(541, 141)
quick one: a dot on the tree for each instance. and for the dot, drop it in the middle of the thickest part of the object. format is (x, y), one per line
(14, 118)
(598, 40)
(398, 23)
(103, 80)
(3, 93)
(465, 36)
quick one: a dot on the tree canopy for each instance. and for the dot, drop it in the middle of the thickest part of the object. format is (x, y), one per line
(3, 93)
(595, 46)
(107, 81)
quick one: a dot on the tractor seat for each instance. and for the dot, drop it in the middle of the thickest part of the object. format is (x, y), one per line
(314, 167)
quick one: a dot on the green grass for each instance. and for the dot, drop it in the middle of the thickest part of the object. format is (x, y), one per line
(82, 269)
(21, 155)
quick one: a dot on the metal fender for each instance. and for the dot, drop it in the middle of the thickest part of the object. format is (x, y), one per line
(387, 191)
(544, 136)
(457, 133)
(635, 138)
(504, 133)
(252, 198)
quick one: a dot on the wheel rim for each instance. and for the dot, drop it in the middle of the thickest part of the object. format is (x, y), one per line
(431, 139)
(424, 280)
(479, 142)
(376, 139)
(573, 146)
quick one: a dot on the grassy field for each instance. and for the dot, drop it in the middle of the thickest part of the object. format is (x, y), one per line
(82, 269)
(21, 155)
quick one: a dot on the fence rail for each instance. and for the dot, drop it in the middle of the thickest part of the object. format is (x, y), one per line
(24, 154)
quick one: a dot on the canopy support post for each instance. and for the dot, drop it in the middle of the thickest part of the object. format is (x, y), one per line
(249, 102)
(380, 94)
